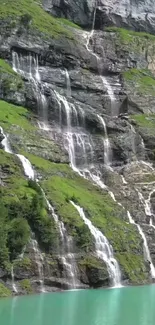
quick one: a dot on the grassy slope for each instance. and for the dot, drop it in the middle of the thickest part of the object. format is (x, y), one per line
(142, 79)
(14, 115)
(130, 37)
(34, 17)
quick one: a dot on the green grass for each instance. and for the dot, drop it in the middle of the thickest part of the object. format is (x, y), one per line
(14, 115)
(4, 291)
(145, 120)
(142, 80)
(47, 167)
(34, 17)
(128, 35)
(133, 266)
(25, 264)
(5, 67)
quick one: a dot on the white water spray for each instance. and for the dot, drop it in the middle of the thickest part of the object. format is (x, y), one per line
(30, 70)
(104, 250)
(145, 245)
(106, 142)
(39, 262)
(14, 287)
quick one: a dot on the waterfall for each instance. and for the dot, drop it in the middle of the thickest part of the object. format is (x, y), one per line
(104, 80)
(147, 206)
(68, 83)
(39, 262)
(104, 250)
(28, 170)
(28, 68)
(67, 256)
(145, 244)
(5, 142)
(106, 142)
(14, 287)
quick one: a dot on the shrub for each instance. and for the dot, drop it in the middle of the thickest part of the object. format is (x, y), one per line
(18, 236)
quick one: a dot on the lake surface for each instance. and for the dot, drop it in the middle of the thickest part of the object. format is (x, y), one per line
(124, 306)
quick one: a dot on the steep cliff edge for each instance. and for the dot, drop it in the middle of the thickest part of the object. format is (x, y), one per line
(57, 86)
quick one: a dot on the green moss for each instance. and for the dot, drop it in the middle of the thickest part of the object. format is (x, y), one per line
(14, 115)
(26, 286)
(31, 16)
(133, 266)
(91, 262)
(5, 67)
(143, 81)
(25, 263)
(127, 36)
(145, 120)
(47, 167)
(4, 291)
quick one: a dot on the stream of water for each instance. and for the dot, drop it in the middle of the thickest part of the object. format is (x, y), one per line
(104, 250)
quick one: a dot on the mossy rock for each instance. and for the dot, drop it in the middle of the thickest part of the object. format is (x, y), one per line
(24, 263)
(128, 38)
(142, 80)
(95, 270)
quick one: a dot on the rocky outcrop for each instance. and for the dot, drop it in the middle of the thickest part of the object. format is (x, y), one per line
(77, 86)
(130, 14)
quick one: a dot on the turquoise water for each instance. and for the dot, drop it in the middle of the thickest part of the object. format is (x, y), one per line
(124, 306)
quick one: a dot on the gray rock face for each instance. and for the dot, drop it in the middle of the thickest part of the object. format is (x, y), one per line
(79, 11)
(133, 14)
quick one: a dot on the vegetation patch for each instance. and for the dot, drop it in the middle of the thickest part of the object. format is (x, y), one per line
(144, 120)
(26, 286)
(30, 15)
(128, 36)
(5, 67)
(133, 267)
(24, 263)
(15, 115)
(4, 291)
(143, 80)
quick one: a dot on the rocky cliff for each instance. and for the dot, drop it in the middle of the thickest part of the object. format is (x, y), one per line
(80, 107)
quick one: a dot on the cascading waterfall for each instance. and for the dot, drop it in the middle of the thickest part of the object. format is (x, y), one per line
(39, 259)
(106, 142)
(14, 287)
(104, 250)
(145, 244)
(147, 206)
(105, 82)
(28, 170)
(28, 68)
(68, 83)
(66, 256)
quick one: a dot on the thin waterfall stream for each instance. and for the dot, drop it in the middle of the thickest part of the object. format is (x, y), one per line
(145, 244)
(104, 250)
(39, 259)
